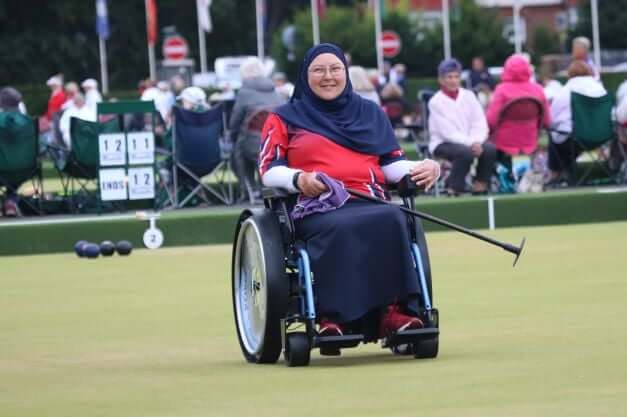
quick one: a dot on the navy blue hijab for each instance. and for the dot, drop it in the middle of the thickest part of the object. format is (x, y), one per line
(348, 120)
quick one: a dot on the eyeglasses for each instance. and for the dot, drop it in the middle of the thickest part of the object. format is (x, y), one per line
(335, 71)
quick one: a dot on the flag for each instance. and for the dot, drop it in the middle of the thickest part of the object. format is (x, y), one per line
(204, 14)
(151, 21)
(102, 19)
(322, 8)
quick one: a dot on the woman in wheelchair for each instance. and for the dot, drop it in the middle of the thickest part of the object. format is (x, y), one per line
(360, 252)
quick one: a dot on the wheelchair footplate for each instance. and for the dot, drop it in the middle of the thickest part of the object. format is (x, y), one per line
(331, 345)
(337, 342)
(410, 336)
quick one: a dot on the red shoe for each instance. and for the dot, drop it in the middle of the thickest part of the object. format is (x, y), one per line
(11, 209)
(329, 328)
(394, 321)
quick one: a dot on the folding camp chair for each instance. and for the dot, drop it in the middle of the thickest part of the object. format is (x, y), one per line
(199, 163)
(422, 146)
(246, 152)
(619, 155)
(592, 129)
(78, 166)
(19, 157)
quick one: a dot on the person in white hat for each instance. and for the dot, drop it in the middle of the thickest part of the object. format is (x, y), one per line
(92, 95)
(193, 98)
(57, 96)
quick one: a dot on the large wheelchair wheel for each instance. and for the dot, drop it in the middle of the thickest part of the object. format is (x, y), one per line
(260, 285)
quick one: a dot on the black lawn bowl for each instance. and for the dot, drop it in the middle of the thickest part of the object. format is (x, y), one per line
(91, 250)
(107, 248)
(124, 247)
(79, 248)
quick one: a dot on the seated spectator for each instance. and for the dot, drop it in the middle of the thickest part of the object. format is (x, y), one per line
(282, 86)
(397, 75)
(384, 78)
(49, 122)
(479, 77)
(362, 85)
(581, 80)
(621, 92)
(80, 110)
(178, 84)
(551, 86)
(148, 90)
(10, 100)
(621, 104)
(194, 99)
(92, 95)
(71, 89)
(57, 96)
(458, 131)
(393, 103)
(581, 52)
(256, 95)
(515, 137)
(621, 119)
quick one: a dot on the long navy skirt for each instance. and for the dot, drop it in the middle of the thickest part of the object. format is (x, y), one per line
(361, 259)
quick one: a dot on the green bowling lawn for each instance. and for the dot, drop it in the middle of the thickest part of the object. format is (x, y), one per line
(152, 335)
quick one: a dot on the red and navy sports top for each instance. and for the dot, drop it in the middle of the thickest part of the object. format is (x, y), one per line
(301, 149)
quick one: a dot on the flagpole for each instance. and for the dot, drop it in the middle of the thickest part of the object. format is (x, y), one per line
(596, 43)
(314, 22)
(377, 30)
(151, 62)
(102, 28)
(151, 49)
(201, 41)
(104, 76)
(260, 40)
(517, 34)
(446, 27)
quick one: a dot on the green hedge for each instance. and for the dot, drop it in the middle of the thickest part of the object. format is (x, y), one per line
(217, 226)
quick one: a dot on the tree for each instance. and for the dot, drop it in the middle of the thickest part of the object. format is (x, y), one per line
(545, 42)
(478, 31)
(612, 23)
(353, 29)
(61, 37)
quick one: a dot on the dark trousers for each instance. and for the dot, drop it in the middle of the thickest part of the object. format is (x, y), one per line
(462, 158)
(562, 155)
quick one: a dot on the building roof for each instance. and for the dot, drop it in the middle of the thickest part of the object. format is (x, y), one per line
(523, 3)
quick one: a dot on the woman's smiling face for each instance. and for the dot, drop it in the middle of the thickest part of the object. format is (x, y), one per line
(326, 76)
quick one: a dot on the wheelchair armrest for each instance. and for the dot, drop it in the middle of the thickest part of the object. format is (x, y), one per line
(274, 193)
(406, 187)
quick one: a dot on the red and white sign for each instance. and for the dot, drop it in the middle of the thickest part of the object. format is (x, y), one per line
(390, 43)
(175, 48)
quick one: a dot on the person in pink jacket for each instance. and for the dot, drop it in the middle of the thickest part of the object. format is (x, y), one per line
(514, 137)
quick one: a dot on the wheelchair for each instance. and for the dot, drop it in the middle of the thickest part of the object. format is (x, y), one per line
(273, 290)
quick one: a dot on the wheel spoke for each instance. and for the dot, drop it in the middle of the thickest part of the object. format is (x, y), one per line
(251, 290)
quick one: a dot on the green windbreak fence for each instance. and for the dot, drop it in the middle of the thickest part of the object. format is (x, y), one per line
(216, 226)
